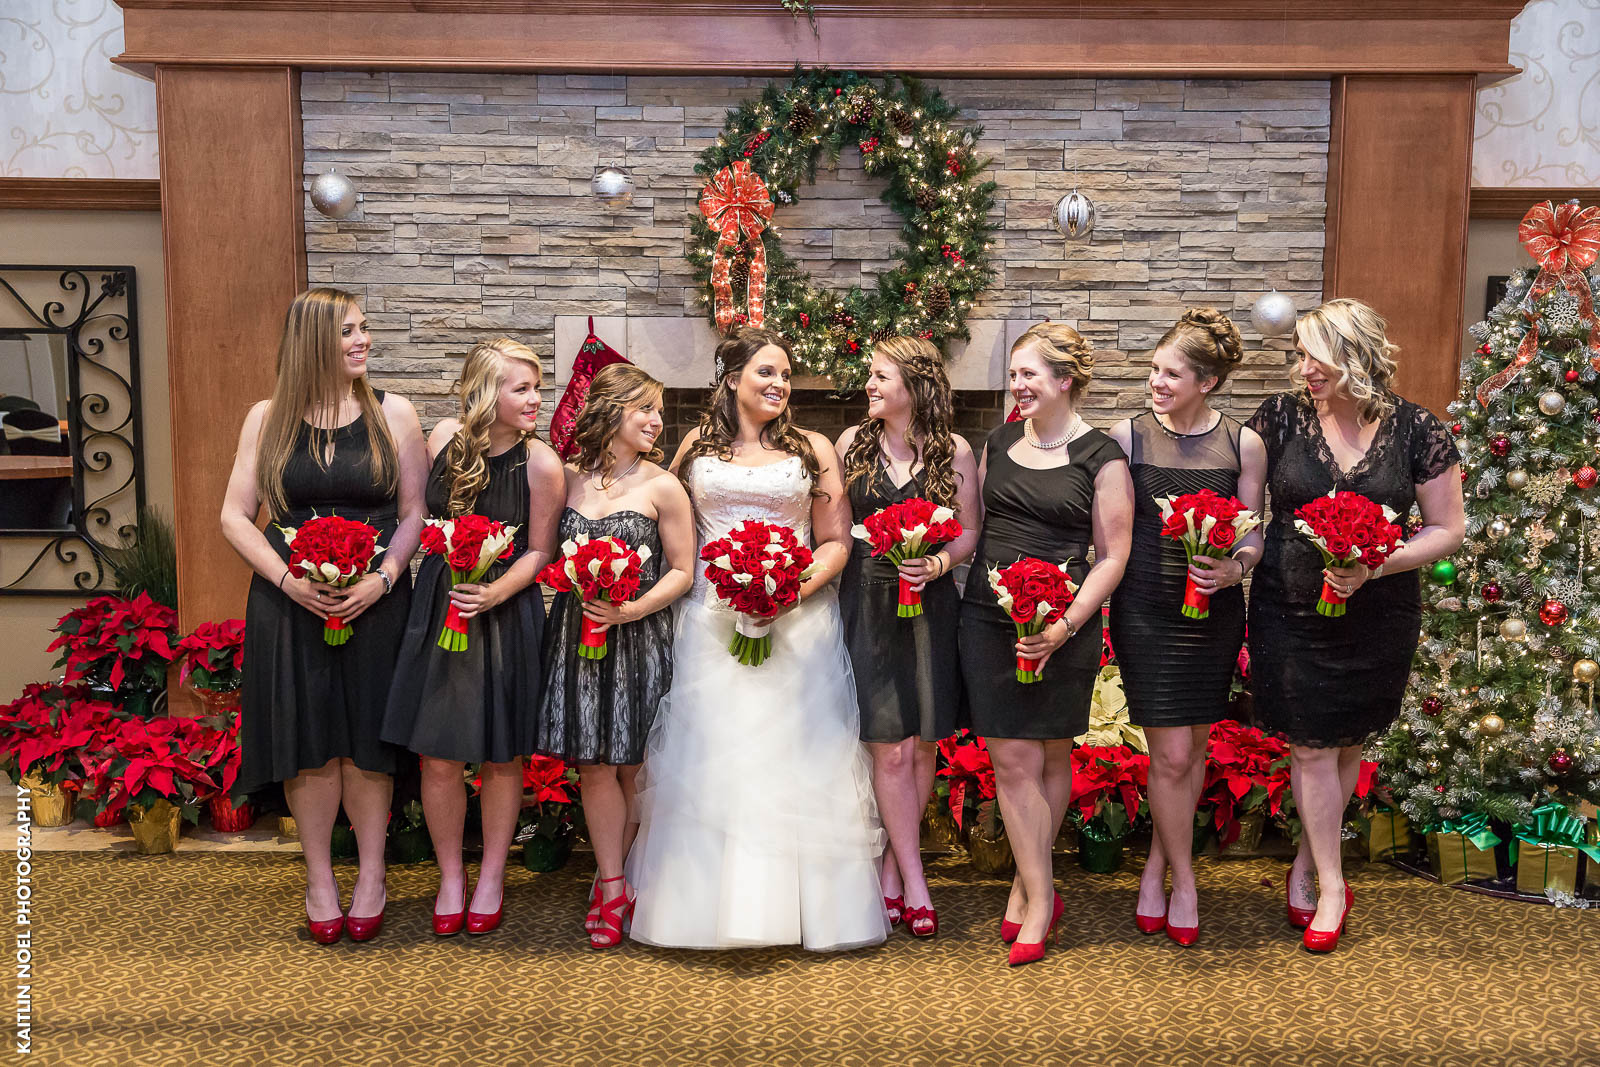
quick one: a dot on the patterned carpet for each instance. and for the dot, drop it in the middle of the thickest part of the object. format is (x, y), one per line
(201, 959)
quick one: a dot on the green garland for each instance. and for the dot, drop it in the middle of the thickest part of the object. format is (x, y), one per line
(904, 131)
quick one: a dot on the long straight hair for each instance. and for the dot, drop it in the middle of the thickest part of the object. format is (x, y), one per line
(311, 384)
(483, 372)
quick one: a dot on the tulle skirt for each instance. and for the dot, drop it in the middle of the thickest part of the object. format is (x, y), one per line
(757, 819)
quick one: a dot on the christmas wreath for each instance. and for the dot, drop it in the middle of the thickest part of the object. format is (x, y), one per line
(769, 147)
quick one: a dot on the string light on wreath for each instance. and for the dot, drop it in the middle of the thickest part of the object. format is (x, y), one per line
(905, 133)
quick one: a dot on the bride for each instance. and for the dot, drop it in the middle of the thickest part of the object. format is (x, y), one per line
(757, 821)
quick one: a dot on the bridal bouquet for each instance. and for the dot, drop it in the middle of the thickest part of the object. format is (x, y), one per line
(1206, 525)
(1035, 594)
(600, 568)
(1347, 527)
(757, 570)
(469, 545)
(336, 552)
(910, 529)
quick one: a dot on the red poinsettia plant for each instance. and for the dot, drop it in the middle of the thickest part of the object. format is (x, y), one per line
(212, 658)
(120, 644)
(549, 797)
(336, 552)
(596, 568)
(756, 570)
(908, 529)
(1035, 594)
(45, 733)
(147, 761)
(1109, 784)
(1347, 528)
(965, 776)
(470, 544)
(1246, 770)
(1205, 524)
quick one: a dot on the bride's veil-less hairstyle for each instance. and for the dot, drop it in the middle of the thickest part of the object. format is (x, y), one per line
(719, 423)
(922, 370)
(311, 385)
(482, 374)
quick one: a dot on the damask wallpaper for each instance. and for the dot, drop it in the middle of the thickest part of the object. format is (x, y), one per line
(1543, 126)
(65, 110)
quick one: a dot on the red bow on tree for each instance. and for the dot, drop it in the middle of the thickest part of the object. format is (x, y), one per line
(736, 206)
(1565, 242)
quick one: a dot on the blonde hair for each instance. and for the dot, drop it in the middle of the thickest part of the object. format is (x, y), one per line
(618, 389)
(483, 372)
(312, 382)
(1207, 340)
(1064, 351)
(1352, 338)
(931, 415)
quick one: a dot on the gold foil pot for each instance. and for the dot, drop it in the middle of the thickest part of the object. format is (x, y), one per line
(155, 828)
(939, 830)
(1248, 843)
(991, 855)
(52, 805)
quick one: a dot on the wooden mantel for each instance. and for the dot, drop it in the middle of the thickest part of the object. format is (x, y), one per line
(1403, 78)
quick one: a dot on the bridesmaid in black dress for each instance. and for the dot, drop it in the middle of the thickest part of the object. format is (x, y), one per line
(1052, 486)
(597, 713)
(326, 443)
(1176, 670)
(477, 705)
(1328, 685)
(908, 679)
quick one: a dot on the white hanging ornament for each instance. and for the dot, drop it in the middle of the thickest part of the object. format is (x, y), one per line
(1517, 480)
(613, 186)
(1075, 216)
(1273, 315)
(904, 140)
(334, 195)
(1552, 403)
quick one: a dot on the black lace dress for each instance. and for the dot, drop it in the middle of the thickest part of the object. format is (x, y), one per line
(476, 705)
(1176, 670)
(908, 678)
(1320, 681)
(601, 710)
(305, 702)
(1043, 514)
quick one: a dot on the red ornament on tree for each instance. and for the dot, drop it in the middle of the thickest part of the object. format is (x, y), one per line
(1572, 375)
(1585, 477)
(1432, 705)
(1499, 446)
(1553, 612)
(1456, 428)
(1491, 592)
(1483, 349)
(1560, 761)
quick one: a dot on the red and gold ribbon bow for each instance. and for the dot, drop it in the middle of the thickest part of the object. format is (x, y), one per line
(1565, 242)
(736, 206)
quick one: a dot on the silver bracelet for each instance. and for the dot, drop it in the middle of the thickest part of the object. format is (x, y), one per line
(388, 586)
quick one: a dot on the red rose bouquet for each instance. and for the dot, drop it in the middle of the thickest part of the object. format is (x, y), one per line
(1206, 525)
(1035, 594)
(600, 568)
(336, 552)
(1347, 527)
(757, 570)
(469, 545)
(910, 529)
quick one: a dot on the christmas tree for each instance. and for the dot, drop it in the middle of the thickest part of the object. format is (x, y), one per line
(1499, 716)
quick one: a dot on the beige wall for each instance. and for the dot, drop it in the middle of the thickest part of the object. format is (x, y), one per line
(1492, 248)
(102, 238)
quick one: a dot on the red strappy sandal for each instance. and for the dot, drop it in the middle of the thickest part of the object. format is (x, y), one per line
(611, 918)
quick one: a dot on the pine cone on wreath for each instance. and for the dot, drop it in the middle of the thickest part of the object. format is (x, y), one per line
(739, 273)
(801, 119)
(882, 333)
(936, 298)
(900, 119)
(927, 198)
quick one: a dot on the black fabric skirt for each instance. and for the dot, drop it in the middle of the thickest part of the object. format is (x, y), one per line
(1176, 671)
(477, 705)
(908, 671)
(1054, 707)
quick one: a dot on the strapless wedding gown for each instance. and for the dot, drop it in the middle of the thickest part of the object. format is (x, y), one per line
(757, 819)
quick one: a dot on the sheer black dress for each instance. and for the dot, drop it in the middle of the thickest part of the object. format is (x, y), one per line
(601, 710)
(908, 678)
(304, 701)
(476, 705)
(1320, 681)
(1176, 670)
(1043, 514)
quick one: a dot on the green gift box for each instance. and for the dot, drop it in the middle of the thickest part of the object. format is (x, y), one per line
(1462, 849)
(1546, 851)
(1388, 833)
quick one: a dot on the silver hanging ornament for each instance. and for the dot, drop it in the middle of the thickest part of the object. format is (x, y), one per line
(1552, 403)
(334, 195)
(1497, 529)
(1514, 629)
(1075, 216)
(1273, 315)
(613, 186)
(1517, 480)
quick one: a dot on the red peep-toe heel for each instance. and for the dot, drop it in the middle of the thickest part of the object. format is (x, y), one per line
(613, 915)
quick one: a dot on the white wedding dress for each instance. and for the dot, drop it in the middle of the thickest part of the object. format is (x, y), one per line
(757, 819)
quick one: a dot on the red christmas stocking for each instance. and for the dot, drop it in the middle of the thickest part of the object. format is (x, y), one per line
(593, 355)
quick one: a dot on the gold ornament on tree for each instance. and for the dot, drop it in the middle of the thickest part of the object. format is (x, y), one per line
(1491, 725)
(1552, 403)
(1514, 630)
(1585, 670)
(1517, 480)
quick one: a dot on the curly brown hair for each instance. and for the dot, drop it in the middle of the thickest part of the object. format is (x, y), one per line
(922, 370)
(618, 389)
(719, 423)
(1208, 341)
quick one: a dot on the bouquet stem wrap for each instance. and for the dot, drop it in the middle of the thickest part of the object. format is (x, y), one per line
(1028, 669)
(335, 631)
(1330, 604)
(453, 638)
(910, 601)
(592, 642)
(752, 640)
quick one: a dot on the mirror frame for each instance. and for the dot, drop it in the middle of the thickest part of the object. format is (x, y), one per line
(100, 323)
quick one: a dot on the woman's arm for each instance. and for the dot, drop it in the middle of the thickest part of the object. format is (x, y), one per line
(830, 518)
(1211, 574)
(401, 416)
(675, 522)
(1444, 527)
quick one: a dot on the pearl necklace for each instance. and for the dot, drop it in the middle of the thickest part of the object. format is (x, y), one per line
(1033, 437)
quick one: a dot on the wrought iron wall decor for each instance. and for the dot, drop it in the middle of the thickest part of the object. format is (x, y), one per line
(92, 313)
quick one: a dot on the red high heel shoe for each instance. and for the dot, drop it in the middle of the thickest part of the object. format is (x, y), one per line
(1300, 918)
(323, 931)
(614, 913)
(1149, 924)
(1009, 930)
(896, 907)
(1184, 935)
(445, 925)
(482, 922)
(366, 927)
(1328, 940)
(922, 922)
(594, 905)
(1031, 952)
